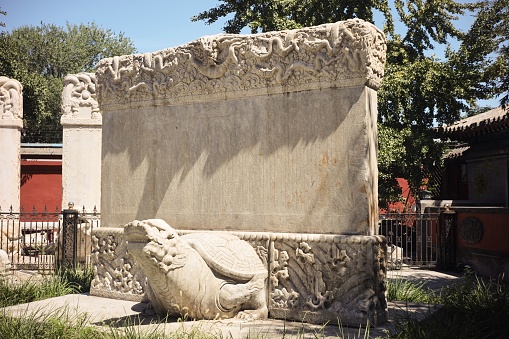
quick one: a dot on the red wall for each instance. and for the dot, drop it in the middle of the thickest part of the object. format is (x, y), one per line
(495, 236)
(402, 206)
(41, 185)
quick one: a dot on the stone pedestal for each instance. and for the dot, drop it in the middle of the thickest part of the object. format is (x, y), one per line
(81, 152)
(11, 123)
(271, 137)
(313, 278)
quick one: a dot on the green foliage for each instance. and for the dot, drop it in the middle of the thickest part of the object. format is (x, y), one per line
(59, 324)
(271, 15)
(473, 308)
(493, 23)
(19, 293)
(39, 57)
(79, 277)
(400, 289)
(2, 24)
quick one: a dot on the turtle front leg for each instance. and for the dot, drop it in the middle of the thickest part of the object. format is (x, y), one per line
(255, 308)
(249, 297)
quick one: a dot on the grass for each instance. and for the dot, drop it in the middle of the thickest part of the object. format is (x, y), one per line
(405, 290)
(64, 281)
(473, 308)
(40, 325)
(80, 277)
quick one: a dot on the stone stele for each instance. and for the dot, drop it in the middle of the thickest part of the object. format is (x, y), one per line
(270, 137)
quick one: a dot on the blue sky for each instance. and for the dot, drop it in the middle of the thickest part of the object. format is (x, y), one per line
(152, 25)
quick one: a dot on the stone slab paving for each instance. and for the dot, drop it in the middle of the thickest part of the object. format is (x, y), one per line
(121, 313)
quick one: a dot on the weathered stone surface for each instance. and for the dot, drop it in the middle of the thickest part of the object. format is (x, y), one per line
(11, 100)
(314, 278)
(82, 129)
(323, 278)
(11, 123)
(271, 137)
(250, 133)
(116, 274)
(201, 275)
(10, 234)
(5, 263)
(338, 55)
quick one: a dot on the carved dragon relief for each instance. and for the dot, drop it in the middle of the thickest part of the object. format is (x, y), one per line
(80, 91)
(336, 277)
(114, 268)
(11, 101)
(215, 66)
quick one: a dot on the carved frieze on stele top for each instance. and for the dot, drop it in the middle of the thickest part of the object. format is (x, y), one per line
(342, 54)
(11, 100)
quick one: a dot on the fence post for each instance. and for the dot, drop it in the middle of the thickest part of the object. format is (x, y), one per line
(69, 237)
(446, 259)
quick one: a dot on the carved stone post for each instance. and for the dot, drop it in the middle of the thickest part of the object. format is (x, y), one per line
(11, 123)
(446, 259)
(81, 156)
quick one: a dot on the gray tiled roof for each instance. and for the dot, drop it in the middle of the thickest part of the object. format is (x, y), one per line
(491, 121)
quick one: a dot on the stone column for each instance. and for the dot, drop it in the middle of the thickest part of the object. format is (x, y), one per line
(11, 123)
(81, 152)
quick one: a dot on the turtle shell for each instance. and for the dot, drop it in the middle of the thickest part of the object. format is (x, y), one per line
(227, 255)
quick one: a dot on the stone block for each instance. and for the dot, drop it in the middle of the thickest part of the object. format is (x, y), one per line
(251, 133)
(314, 278)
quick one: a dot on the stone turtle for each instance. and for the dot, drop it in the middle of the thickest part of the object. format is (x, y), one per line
(200, 275)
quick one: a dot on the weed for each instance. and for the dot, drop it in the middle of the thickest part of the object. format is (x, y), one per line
(405, 290)
(80, 277)
(473, 308)
(31, 290)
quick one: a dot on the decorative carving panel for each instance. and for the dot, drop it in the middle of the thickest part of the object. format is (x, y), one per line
(471, 230)
(11, 100)
(341, 54)
(80, 91)
(116, 274)
(312, 278)
(328, 278)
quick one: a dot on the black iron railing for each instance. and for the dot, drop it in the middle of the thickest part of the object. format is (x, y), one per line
(413, 238)
(34, 240)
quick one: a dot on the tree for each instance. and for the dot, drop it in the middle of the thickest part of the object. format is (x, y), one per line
(412, 99)
(491, 32)
(271, 15)
(39, 57)
(2, 24)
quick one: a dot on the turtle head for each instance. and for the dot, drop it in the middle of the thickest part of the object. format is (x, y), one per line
(156, 230)
(157, 242)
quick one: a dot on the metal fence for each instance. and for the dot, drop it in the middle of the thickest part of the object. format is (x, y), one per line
(42, 240)
(34, 240)
(413, 238)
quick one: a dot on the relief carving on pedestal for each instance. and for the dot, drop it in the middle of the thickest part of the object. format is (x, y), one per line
(321, 279)
(115, 270)
(345, 53)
